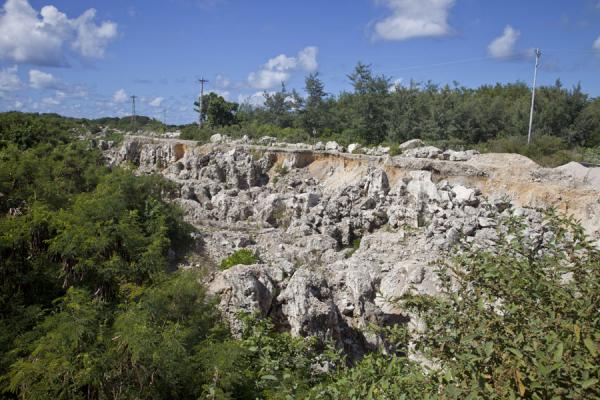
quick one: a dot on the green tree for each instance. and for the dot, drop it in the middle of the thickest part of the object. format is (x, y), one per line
(217, 111)
(369, 104)
(314, 117)
(279, 106)
(586, 127)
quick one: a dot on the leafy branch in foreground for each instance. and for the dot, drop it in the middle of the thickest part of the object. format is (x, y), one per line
(524, 322)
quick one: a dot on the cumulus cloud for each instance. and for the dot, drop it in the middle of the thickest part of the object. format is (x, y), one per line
(42, 80)
(92, 40)
(156, 102)
(120, 96)
(27, 36)
(222, 81)
(414, 18)
(597, 44)
(279, 69)
(9, 79)
(307, 58)
(18, 105)
(504, 45)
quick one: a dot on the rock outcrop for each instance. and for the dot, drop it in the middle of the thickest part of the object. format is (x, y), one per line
(339, 236)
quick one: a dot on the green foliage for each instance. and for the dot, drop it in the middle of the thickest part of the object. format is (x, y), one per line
(27, 130)
(216, 110)
(286, 367)
(146, 347)
(239, 257)
(195, 132)
(548, 151)
(523, 323)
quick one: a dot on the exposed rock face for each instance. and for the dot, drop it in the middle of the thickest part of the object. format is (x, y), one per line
(411, 144)
(423, 152)
(336, 239)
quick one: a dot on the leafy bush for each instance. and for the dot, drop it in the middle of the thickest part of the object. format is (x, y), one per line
(517, 321)
(239, 257)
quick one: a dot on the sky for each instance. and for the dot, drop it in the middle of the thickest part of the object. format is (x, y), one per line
(86, 58)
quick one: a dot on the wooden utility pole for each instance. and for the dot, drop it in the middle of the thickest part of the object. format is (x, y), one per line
(133, 113)
(538, 54)
(201, 115)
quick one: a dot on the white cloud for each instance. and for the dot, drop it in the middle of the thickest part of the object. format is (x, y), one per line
(120, 96)
(414, 18)
(279, 69)
(27, 36)
(156, 102)
(307, 58)
(42, 80)
(9, 80)
(597, 44)
(18, 105)
(222, 81)
(504, 46)
(92, 39)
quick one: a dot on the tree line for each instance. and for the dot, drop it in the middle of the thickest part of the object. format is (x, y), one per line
(376, 111)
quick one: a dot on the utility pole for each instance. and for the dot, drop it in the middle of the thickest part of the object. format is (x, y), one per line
(133, 113)
(538, 54)
(201, 115)
(165, 116)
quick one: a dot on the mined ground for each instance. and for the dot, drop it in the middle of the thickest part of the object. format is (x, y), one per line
(339, 236)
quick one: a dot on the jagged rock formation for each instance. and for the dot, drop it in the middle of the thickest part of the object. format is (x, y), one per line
(340, 235)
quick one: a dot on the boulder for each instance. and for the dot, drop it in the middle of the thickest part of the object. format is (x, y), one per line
(354, 148)
(308, 306)
(423, 152)
(411, 144)
(334, 146)
(421, 187)
(243, 288)
(452, 155)
(464, 196)
(267, 140)
(377, 183)
(217, 138)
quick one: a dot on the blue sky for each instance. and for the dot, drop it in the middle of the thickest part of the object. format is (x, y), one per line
(85, 58)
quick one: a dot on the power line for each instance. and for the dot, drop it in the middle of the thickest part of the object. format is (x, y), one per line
(201, 115)
(133, 113)
(538, 54)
